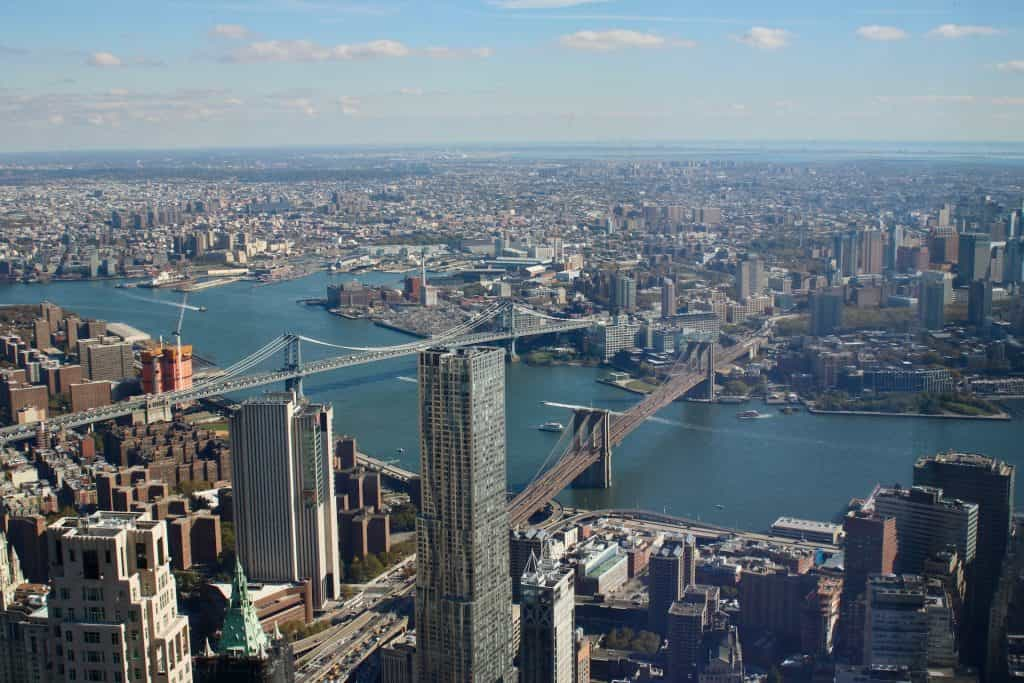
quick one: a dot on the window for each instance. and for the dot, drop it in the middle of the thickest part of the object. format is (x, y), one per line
(94, 675)
(67, 636)
(65, 594)
(90, 564)
(71, 655)
(71, 554)
(106, 555)
(141, 561)
(160, 551)
(91, 637)
(115, 638)
(94, 656)
(72, 674)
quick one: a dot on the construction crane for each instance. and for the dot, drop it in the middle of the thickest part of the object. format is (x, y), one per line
(177, 340)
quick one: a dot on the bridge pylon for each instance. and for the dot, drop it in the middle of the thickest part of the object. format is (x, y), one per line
(293, 361)
(590, 430)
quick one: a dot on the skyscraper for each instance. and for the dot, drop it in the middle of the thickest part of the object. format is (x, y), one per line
(749, 277)
(927, 522)
(826, 312)
(845, 251)
(112, 606)
(974, 254)
(870, 548)
(908, 624)
(668, 297)
(286, 523)
(547, 623)
(931, 301)
(871, 251)
(463, 590)
(979, 302)
(624, 293)
(989, 483)
(670, 569)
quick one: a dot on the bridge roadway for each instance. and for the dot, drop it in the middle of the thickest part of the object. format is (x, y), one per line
(579, 456)
(216, 387)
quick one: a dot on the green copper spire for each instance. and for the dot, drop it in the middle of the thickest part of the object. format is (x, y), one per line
(242, 635)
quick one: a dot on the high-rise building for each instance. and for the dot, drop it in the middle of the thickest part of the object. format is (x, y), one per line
(893, 247)
(547, 650)
(979, 302)
(624, 293)
(846, 251)
(687, 621)
(871, 251)
(463, 590)
(870, 548)
(166, 368)
(926, 523)
(286, 522)
(113, 607)
(671, 568)
(989, 483)
(931, 301)
(908, 623)
(668, 297)
(106, 359)
(975, 250)
(749, 278)
(826, 312)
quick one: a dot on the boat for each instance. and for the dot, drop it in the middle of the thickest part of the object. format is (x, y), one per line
(719, 506)
(201, 309)
(551, 427)
(733, 399)
(750, 415)
(399, 450)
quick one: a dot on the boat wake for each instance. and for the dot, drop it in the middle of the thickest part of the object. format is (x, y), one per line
(402, 378)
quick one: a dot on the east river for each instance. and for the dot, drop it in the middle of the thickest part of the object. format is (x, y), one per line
(687, 460)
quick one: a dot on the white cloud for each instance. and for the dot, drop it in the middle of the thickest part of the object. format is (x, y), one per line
(963, 31)
(412, 92)
(350, 106)
(455, 53)
(103, 59)
(765, 38)
(301, 104)
(1015, 65)
(229, 31)
(926, 99)
(883, 33)
(482, 52)
(615, 39)
(56, 119)
(1008, 101)
(542, 4)
(308, 51)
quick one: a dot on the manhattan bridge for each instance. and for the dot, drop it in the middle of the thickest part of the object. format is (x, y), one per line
(582, 456)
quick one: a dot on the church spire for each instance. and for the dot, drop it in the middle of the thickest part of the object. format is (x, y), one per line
(241, 634)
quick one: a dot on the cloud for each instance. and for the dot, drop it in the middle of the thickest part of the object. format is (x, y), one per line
(103, 60)
(542, 4)
(1015, 66)
(308, 51)
(926, 99)
(963, 31)
(765, 38)
(302, 104)
(412, 92)
(456, 53)
(1008, 101)
(350, 106)
(11, 51)
(229, 31)
(882, 33)
(615, 39)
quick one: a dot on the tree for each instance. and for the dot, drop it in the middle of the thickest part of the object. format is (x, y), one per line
(735, 387)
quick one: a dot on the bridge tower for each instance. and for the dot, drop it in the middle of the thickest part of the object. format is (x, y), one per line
(590, 429)
(512, 356)
(293, 362)
(709, 359)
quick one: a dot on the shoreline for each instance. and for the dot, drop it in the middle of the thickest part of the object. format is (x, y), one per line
(941, 416)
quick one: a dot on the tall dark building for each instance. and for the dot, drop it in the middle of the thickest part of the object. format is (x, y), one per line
(989, 483)
(826, 312)
(870, 549)
(975, 253)
(463, 590)
(979, 302)
(671, 569)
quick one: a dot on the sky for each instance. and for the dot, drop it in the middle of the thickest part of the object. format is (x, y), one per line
(264, 73)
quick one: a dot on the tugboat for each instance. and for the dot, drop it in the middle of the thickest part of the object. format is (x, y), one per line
(551, 427)
(749, 415)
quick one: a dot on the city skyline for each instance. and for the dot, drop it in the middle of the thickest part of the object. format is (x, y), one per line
(326, 73)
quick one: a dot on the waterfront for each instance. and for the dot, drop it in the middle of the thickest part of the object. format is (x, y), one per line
(686, 460)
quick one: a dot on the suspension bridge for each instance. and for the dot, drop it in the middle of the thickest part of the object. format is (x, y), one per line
(499, 321)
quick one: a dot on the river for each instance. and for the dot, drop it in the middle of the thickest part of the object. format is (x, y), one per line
(687, 460)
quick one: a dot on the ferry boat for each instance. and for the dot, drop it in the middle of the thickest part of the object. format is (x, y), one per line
(551, 427)
(749, 415)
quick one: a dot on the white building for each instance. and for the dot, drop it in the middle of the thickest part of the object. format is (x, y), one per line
(286, 522)
(113, 607)
(547, 623)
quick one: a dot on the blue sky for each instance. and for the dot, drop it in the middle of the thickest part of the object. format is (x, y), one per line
(198, 73)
